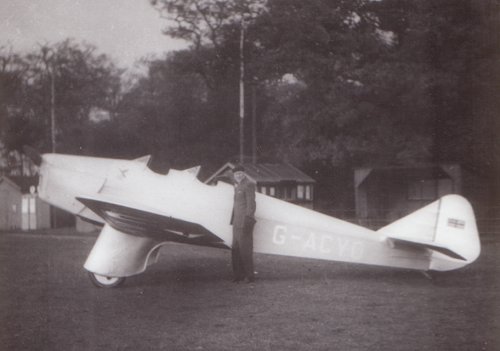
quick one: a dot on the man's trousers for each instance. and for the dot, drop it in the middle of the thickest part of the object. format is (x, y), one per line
(242, 253)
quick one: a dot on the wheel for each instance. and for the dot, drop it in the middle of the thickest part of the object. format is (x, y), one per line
(105, 282)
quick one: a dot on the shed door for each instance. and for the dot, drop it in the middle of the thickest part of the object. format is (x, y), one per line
(8, 210)
(4, 210)
(29, 213)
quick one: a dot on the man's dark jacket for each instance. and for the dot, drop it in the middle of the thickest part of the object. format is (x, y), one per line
(244, 204)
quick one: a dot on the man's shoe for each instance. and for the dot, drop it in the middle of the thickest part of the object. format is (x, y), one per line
(249, 280)
(236, 280)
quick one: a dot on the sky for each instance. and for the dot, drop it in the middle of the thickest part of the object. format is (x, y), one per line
(126, 30)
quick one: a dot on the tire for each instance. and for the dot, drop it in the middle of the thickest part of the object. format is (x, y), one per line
(105, 282)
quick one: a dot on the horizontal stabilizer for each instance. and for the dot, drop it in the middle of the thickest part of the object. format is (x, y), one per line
(399, 243)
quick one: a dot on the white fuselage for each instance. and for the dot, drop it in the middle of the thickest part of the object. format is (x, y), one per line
(282, 228)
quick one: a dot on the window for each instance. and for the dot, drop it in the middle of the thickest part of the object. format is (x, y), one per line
(308, 192)
(272, 191)
(423, 189)
(263, 190)
(300, 192)
(304, 192)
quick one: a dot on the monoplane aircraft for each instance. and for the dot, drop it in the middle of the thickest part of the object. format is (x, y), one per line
(141, 210)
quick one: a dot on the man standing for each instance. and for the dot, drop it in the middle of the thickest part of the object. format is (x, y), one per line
(243, 222)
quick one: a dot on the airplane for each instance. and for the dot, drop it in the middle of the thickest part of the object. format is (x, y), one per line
(141, 210)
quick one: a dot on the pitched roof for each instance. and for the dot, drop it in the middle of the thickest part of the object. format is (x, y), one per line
(24, 183)
(267, 173)
(9, 182)
(415, 172)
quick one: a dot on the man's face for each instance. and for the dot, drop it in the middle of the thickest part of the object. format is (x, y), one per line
(239, 176)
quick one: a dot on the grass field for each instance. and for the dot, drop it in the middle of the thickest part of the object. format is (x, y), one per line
(187, 302)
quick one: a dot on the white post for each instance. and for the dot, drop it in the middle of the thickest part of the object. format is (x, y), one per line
(52, 110)
(242, 90)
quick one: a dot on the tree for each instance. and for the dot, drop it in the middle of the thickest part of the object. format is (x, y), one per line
(205, 22)
(82, 80)
(453, 46)
(326, 47)
(178, 118)
(387, 82)
(18, 124)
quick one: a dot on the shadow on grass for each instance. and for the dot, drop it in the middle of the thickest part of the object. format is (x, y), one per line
(218, 271)
(182, 272)
(211, 266)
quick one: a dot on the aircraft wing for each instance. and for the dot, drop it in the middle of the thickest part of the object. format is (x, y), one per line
(143, 223)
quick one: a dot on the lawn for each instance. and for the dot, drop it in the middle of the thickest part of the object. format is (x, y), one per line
(187, 302)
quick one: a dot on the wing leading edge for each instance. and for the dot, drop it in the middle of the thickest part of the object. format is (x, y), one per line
(147, 224)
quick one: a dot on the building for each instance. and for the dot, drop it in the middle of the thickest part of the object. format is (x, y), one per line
(385, 194)
(280, 180)
(20, 206)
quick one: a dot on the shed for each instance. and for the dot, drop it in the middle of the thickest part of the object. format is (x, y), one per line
(384, 194)
(280, 180)
(20, 206)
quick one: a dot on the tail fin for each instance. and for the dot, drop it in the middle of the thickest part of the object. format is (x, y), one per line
(446, 226)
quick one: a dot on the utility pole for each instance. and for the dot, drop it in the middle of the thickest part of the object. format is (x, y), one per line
(52, 109)
(242, 89)
(254, 124)
(53, 126)
(48, 61)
